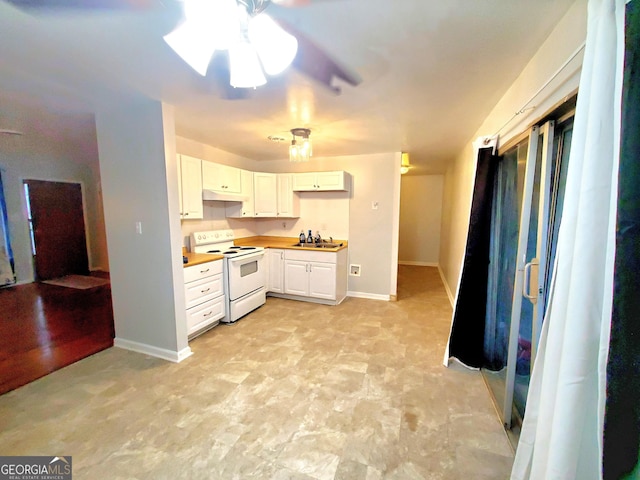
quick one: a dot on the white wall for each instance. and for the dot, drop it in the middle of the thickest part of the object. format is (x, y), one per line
(55, 147)
(372, 234)
(140, 184)
(420, 219)
(566, 38)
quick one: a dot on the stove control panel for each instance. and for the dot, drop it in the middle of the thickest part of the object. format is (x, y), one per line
(212, 236)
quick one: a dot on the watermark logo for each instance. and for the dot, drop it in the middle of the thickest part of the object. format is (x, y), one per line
(35, 468)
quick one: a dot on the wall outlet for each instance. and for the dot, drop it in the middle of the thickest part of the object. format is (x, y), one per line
(354, 270)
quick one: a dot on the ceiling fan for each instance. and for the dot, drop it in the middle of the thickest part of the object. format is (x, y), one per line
(241, 64)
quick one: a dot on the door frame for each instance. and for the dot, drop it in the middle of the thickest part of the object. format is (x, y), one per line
(24, 218)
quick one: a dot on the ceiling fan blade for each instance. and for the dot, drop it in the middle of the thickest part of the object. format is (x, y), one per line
(86, 4)
(314, 62)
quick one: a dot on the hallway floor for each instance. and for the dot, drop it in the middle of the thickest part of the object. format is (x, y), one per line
(292, 391)
(45, 327)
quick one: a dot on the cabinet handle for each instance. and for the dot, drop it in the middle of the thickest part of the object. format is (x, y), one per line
(207, 314)
(204, 271)
(186, 213)
(205, 290)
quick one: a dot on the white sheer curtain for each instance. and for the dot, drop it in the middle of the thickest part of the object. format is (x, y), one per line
(562, 431)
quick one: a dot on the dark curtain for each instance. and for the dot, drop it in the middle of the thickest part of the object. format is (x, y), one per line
(622, 411)
(467, 332)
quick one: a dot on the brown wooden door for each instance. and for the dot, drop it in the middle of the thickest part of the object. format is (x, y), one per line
(58, 229)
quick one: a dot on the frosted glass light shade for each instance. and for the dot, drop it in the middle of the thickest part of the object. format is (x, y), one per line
(276, 48)
(299, 152)
(404, 163)
(193, 45)
(244, 67)
(208, 26)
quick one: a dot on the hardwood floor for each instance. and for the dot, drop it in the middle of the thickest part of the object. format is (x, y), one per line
(45, 327)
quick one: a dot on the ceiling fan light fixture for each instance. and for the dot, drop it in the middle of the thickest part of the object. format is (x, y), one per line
(193, 45)
(276, 47)
(244, 66)
(300, 150)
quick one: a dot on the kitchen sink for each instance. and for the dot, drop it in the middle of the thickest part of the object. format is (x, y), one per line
(317, 245)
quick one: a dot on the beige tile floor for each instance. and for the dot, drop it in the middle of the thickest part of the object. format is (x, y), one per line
(292, 391)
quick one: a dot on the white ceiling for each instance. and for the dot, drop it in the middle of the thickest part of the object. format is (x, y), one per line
(431, 71)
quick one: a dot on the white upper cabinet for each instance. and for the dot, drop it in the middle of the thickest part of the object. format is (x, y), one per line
(190, 187)
(288, 202)
(321, 181)
(246, 208)
(221, 178)
(265, 194)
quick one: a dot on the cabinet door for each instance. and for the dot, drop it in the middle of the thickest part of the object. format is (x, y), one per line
(244, 209)
(212, 177)
(330, 181)
(304, 182)
(233, 179)
(322, 280)
(296, 277)
(191, 180)
(221, 178)
(179, 164)
(288, 202)
(266, 197)
(275, 267)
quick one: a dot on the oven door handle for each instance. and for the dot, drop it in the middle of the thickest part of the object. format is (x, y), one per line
(246, 258)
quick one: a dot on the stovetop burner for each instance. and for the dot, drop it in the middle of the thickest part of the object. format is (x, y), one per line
(214, 251)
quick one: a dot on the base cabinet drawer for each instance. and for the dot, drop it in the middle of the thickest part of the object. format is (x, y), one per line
(205, 315)
(204, 270)
(203, 290)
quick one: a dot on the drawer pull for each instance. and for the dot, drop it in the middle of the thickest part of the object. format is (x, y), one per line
(207, 314)
(205, 271)
(205, 290)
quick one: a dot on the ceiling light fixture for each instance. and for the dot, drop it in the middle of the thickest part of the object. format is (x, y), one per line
(255, 42)
(404, 163)
(301, 148)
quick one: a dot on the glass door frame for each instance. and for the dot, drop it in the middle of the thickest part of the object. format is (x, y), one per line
(529, 281)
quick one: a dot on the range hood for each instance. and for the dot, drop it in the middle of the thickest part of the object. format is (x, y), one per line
(223, 196)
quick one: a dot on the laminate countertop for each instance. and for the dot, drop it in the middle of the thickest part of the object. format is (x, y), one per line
(200, 258)
(266, 241)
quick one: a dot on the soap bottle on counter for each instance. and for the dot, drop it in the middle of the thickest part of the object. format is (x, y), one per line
(310, 237)
(302, 237)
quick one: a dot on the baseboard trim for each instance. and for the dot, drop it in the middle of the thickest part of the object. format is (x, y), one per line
(418, 264)
(446, 287)
(369, 296)
(164, 354)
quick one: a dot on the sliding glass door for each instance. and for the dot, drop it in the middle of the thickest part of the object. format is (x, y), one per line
(529, 193)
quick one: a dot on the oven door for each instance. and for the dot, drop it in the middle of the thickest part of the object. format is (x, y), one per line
(246, 274)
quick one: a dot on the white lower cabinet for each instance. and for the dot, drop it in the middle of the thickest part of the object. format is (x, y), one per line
(310, 279)
(204, 297)
(275, 269)
(315, 276)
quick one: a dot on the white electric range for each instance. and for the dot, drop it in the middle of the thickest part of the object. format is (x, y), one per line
(243, 271)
